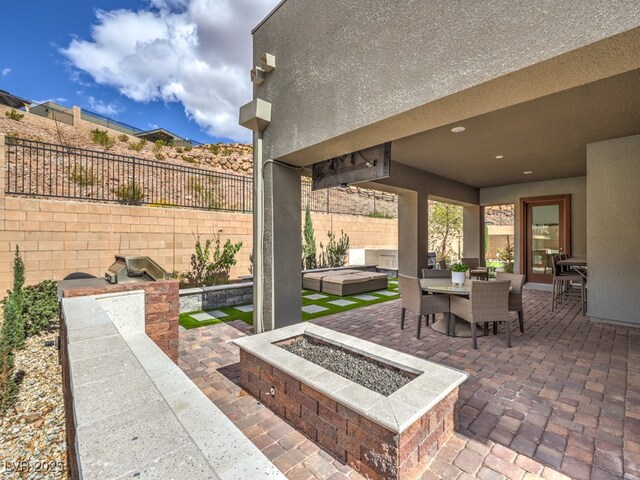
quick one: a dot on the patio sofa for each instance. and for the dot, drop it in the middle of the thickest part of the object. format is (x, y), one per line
(354, 283)
(313, 280)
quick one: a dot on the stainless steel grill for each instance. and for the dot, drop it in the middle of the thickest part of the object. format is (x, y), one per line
(131, 268)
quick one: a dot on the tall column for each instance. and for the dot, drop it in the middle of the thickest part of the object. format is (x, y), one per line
(413, 242)
(472, 233)
(282, 247)
(613, 229)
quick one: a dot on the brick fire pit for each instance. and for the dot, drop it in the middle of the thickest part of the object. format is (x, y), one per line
(380, 436)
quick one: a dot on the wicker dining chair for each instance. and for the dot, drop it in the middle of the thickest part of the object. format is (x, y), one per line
(436, 273)
(475, 270)
(415, 301)
(515, 295)
(487, 302)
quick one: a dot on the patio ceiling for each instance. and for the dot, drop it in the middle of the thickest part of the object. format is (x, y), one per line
(547, 136)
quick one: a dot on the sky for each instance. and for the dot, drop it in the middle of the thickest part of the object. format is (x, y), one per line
(182, 65)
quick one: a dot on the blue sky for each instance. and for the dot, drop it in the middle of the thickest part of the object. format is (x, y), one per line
(178, 64)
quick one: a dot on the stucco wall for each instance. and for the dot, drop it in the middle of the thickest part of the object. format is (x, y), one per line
(576, 186)
(613, 232)
(345, 65)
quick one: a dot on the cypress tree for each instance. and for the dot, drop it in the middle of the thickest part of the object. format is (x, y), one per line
(308, 242)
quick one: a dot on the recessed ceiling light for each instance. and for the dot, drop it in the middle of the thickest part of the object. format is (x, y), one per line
(499, 156)
(458, 129)
(528, 172)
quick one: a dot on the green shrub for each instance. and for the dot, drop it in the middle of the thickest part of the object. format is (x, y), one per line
(215, 149)
(130, 194)
(209, 195)
(158, 145)
(212, 266)
(18, 272)
(102, 138)
(179, 150)
(188, 148)
(8, 384)
(82, 176)
(13, 323)
(379, 214)
(159, 156)
(506, 256)
(308, 242)
(336, 252)
(40, 306)
(14, 115)
(189, 159)
(124, 138)
(137, 146)
(12, 335)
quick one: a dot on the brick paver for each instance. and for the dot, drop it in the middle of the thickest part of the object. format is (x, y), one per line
(563, 402)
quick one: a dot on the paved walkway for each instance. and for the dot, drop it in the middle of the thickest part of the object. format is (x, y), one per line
(564, 402)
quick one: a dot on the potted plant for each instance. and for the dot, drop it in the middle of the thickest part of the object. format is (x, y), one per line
(459, 273)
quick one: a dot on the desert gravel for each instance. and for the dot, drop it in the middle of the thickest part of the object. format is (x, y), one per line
(33, 442)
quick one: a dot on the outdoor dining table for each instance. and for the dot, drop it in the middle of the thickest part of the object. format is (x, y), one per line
(573, 262)
(577, 264)
(446, 287)
(446, 325)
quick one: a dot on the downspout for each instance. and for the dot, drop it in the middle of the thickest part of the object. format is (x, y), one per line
(256, 116)
(258, 225)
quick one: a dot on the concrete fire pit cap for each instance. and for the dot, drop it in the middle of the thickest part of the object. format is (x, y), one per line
(396, 412)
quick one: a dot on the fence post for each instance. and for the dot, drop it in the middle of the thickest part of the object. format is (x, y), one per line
(328, 192)
(133, 183)
(244, 195)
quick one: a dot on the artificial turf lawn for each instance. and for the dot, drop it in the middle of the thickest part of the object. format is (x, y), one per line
(232, 314)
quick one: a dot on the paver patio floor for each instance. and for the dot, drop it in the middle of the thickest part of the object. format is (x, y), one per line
(564, 401)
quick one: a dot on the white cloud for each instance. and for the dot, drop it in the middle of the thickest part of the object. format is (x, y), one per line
(108, 109)
(5, 72)
(197, 52)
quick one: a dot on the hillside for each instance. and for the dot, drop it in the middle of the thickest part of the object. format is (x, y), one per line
(231, 157)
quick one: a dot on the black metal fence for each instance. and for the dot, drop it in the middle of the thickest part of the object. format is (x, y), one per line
(47, 170)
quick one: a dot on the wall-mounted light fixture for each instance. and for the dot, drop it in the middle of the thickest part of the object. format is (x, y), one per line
(255, 115)
(268, 62)
(267, 65)
(257, 75)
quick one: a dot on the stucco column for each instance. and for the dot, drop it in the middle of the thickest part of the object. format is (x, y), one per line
(613, 229)
(282, 247)
(472, 233)
(413, 212)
